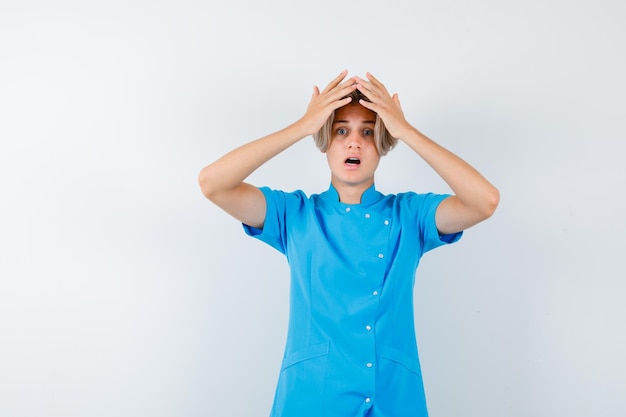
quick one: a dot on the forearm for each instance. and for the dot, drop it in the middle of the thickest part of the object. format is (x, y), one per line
(228, 172)
(475, 198)
(233, 168)
(471, 188)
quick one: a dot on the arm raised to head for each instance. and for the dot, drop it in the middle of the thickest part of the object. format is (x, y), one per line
(475, 199)
(222, 181)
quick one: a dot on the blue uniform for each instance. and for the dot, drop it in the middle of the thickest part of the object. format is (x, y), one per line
(351, 349)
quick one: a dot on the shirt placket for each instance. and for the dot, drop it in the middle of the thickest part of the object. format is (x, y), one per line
(378, 227)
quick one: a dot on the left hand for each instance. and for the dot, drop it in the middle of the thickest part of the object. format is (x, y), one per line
(385, 105)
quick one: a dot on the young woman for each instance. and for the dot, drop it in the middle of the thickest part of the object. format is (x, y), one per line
(353, 252)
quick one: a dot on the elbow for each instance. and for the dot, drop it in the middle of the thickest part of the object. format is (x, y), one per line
(206, 182)
(490, 203)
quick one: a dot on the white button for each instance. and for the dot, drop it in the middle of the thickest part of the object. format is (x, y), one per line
(368, 399)
(381, 256)
(386, 222)
(369, 364)
(368, 327)
(347, 209)
(375, 293)
(367, 216)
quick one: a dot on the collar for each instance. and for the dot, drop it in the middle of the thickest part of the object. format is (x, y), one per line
(370, 196)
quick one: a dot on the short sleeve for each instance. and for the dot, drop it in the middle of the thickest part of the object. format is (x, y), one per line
(274, 231)
(424, 208)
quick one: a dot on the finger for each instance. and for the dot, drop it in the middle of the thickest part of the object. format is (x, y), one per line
(369, 105)
(341, 90)
(336, 104)
(375, 92)
(364, 88)
(335, 81)
(350, 81)
(374, 81)
(366, 85)
(347, 86)
(344, 87)
(340, 103)
(316, 91)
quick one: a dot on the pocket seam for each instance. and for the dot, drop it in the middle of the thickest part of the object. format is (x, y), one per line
(307, 353)
(400, 357)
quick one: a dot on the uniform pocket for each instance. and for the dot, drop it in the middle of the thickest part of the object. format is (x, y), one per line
(399, 357)
(305, 354)
(401, 390)
(301, 384)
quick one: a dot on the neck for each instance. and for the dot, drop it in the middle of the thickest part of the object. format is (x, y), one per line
(351, 193)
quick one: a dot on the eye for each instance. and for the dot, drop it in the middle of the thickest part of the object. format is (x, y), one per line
(342, 131)
(368, 132)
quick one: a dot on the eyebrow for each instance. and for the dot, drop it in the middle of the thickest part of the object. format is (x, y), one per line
(345, 121)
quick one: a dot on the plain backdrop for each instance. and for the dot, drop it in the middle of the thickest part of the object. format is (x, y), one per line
(124, 292)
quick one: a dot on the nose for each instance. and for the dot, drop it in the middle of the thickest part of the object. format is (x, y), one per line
(354, 141)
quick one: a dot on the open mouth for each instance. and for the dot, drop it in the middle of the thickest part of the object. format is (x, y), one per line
(353, 161)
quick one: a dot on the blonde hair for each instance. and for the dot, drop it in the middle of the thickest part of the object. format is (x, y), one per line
(383, 140)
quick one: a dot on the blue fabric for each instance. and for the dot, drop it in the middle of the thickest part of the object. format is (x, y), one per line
(351, 349)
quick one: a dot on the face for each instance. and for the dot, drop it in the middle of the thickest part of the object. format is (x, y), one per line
(352, 154)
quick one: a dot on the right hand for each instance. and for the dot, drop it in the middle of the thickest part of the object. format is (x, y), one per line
(324, 103)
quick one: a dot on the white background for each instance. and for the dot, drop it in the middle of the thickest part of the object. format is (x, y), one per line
(124, 292)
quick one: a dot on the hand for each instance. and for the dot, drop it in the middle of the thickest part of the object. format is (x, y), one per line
(324, 103)
(386, 106)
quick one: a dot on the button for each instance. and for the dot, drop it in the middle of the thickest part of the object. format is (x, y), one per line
(368, 327)
(367, 215)
(381, 256)
(369, 364)
(347, 209)
(386, 222)
(368, 399)
(375, 292)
